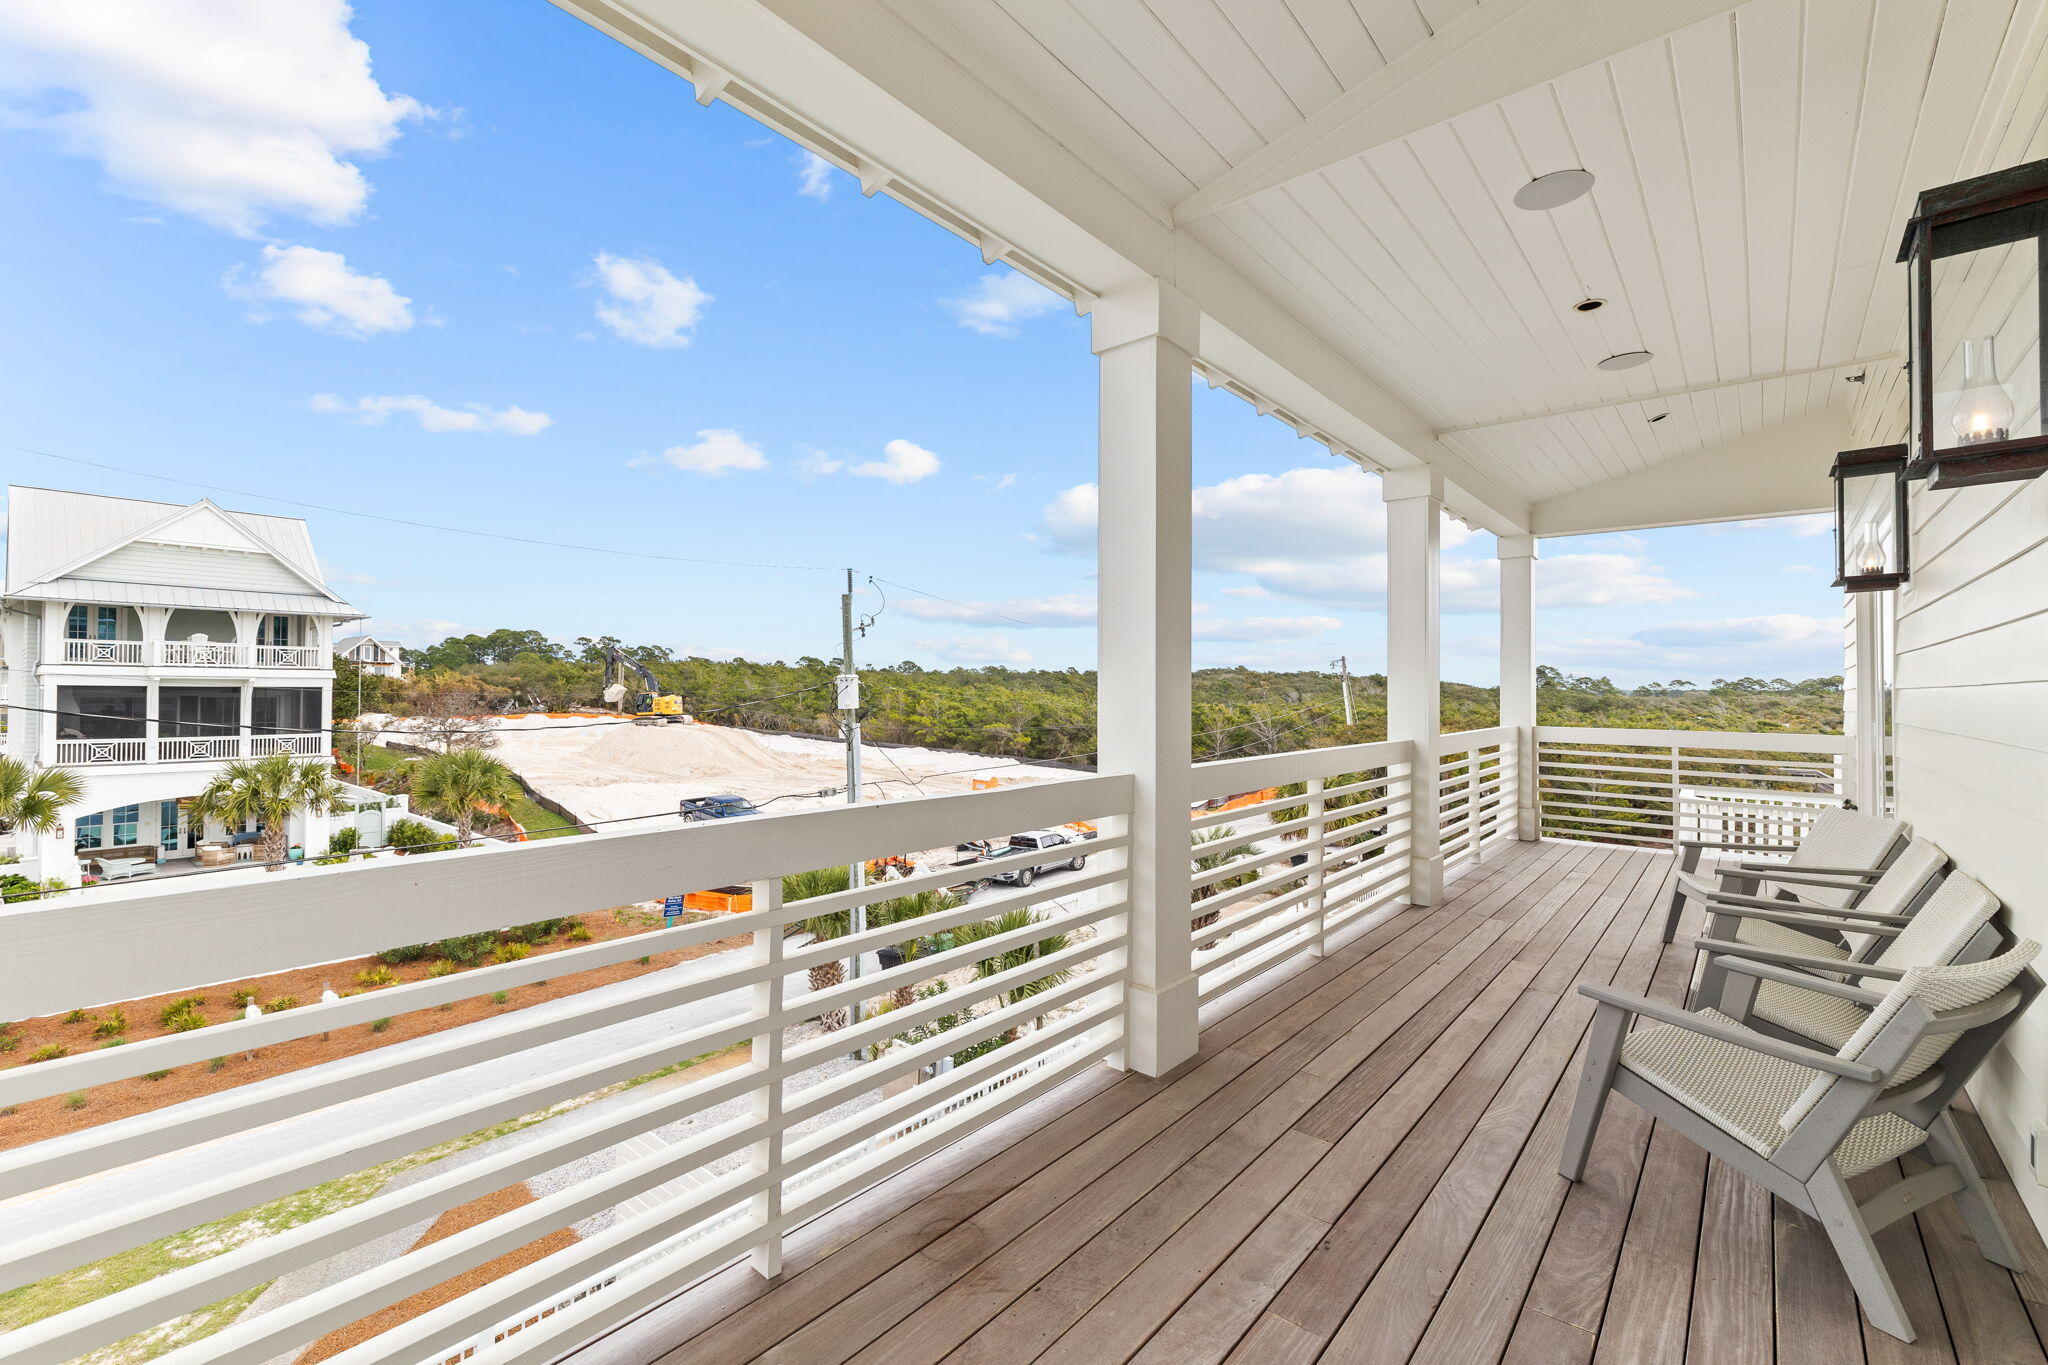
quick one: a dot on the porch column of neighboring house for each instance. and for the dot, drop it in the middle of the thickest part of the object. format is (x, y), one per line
(1863, 701)
(155, 625)
(1415, 508)
(245, 718)
(1146, 337)
(152, 718)
(53, 722)
(1517, 556)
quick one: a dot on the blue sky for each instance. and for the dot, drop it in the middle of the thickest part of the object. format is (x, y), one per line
(474, 264)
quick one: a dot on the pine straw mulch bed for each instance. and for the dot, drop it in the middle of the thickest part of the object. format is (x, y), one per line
(60, 1114)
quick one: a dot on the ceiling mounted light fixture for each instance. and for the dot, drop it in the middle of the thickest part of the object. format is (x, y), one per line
(1554, 190)
(1589, 305)
(1660, 417)
(1627, 360)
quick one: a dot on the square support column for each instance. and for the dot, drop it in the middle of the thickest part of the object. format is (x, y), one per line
(1145, 337)
(1863, 706)
(1415, 507)
(1518, 669)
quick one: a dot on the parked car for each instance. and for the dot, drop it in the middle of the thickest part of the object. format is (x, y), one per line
(1064, 848)
(715, 807)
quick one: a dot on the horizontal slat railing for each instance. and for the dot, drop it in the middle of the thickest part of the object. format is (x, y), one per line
(1476, 775)
(1270, 878)
(1045, 999)
(1654, 787)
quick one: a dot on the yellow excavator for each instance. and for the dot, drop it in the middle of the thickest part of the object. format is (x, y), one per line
(650, 705)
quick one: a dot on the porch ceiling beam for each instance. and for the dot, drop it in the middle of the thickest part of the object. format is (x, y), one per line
(1484, 55)
(1663, 394)
(1777, 472)
(978, 153)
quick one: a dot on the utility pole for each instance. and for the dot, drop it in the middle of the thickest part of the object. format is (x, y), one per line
(849, 723)
(1342, 663)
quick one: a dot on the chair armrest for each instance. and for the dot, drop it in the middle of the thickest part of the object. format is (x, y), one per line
(1730, 948)
(1794, 907)
(1729, 1033)
(1793, 919)
(1789, 976)
(1751, 847)
(1782, 869)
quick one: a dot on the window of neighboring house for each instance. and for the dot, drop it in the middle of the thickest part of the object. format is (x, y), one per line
(92, 623)
(90, 830)
(127, 825)
(100, 712)
(274, 630)
(199, 712)
(167, 824)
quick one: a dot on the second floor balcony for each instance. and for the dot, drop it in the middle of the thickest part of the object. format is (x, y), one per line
(191, 654)
(99, 634)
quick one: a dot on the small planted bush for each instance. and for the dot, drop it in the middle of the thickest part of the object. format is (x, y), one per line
(74, 1101)
(467, 950)
(154, 1075)
(182, 1016)
(8, 1042)
(443, 967)
(411, 952)
(412, 836)
(243, 998)
(49, 1052)
(511, 952)
(217, 1064)
(500, 997)
(75, 1017)
(110, 1024)
(540, 931)
(579, 932)
(281, 1004)
(379, 1025)
(370, 978)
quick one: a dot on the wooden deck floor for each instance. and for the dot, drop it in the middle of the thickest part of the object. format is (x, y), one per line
(1360, 1167)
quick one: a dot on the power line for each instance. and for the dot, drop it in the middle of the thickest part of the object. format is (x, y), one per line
(981, 607)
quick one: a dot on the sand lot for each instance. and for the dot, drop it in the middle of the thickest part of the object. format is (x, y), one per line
(602, 769)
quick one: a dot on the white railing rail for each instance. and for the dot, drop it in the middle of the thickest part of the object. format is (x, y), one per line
(198, 748)
(186, 748)
(77, 752)
(103, 651)
(202, 654)
(1272, 875)
(287, 656)
(1653, 787)
(752, 1163)
(1477, 773)
(305, 746)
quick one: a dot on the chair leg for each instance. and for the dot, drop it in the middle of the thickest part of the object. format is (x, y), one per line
(1710, 981)
(1596, 1076)
(1688, 862)
(1975, 1201)
(1836, 1209)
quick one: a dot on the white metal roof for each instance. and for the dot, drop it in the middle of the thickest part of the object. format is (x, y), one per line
(167, 595)
(1332, 181)
(50, 529)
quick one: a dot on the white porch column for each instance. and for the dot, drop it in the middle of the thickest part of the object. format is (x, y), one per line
(1415, 506)
(1518, 668)
(1863, 708)
(1145, 336)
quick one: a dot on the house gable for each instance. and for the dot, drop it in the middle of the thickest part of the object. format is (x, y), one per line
(199, 546)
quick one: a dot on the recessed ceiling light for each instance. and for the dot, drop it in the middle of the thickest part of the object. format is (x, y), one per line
(1660, 417)
(1554, 190)
(1627, 360)
(1589, 305)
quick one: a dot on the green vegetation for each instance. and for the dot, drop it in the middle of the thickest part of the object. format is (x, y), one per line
(460, 785)
(413, 836)
(269, 791)
(1050, 714)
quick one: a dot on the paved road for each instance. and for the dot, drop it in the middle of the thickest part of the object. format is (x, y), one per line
(29, 1215)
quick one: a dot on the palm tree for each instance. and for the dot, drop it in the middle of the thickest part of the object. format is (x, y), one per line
(462, 782)
(1017, 955)
(1215, 862)
(900, 910)
(33, 798)
(269, 791)
(803, 886)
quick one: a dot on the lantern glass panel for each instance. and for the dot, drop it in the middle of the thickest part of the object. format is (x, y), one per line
(1869, 526)
(1985, 333)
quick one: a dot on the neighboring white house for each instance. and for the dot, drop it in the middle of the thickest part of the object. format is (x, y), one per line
(381, 657)
(142, 646)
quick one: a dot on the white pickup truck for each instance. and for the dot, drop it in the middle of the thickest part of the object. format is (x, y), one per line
(1063, 848)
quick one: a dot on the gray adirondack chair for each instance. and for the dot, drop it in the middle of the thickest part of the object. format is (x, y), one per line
(1802, 1121)
(1854, 932)
(1842, 853)
(1801, 997)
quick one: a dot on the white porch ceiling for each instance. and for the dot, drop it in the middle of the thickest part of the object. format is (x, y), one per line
(1753, 170)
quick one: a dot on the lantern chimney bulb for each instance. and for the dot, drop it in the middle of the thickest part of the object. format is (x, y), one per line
(1869, 551)
(1984, 408)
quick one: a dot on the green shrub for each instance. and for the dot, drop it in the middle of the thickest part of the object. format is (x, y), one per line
(500, 997)
(49, 1052)
(281, 1004)
(411, 952)
(182, 1018)
(511, 952)
(643, 961)
(443, 967)
(579, 932)
(411, 836)
(154, 1075)
(243, 998)
(345, 840)
(8, 1042)
(74, 1101)
(75, 1017)
(379, 1025)
(468, 950)
(115, 1042)
(217, 1064)
(187, 1005)
(826, 881)
(370, 978)
(111, 1023)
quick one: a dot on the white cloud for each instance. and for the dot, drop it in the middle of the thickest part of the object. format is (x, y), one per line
(717, 451)
(975, 649)
(233, 111)
(1602, 580)
(1804, 525)
(1001, 300)
(817, 464)
(996, 483)
(648, 305)
(426, 631)
(814, 176)
(324, 292)
(371, 410)
(1066, 609)
(902, 462)
(1250, 629)
(1784, 645)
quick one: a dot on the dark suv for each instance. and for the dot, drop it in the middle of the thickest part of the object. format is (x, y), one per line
(715, 807)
